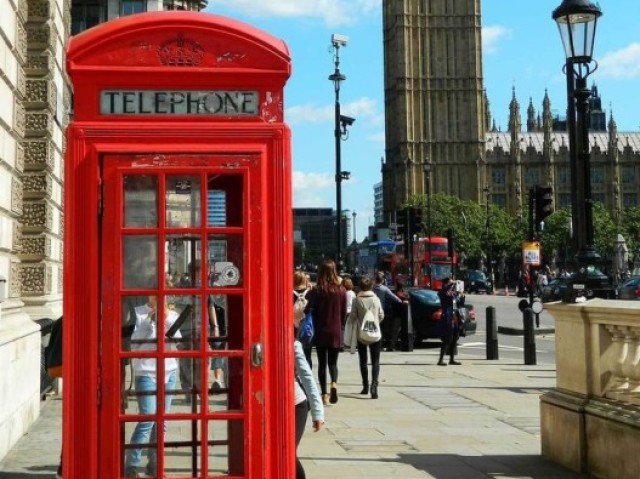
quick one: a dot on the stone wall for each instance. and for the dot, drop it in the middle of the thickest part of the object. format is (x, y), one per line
(32, 86)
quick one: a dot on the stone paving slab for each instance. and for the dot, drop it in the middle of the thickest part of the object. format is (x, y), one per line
(479, 420)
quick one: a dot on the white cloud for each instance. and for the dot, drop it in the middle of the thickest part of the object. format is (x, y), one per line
(309, 113)
(332, 12)
(623, 63)
(310, 189)
(361, 109)
(491, 36)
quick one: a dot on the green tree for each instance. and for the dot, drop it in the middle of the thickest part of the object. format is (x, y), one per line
(468, 220)
(630, 222)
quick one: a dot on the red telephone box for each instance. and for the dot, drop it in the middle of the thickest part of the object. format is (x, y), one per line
(178, 252)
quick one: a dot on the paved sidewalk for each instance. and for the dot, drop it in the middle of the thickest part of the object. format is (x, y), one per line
(478, 420)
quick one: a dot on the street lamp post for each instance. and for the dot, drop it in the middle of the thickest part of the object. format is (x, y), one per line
(426, 167)
(577, 20)
(487, 196)
(340, 133)
(354, 214)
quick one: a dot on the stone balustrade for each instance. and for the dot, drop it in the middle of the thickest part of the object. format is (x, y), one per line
(591, 421)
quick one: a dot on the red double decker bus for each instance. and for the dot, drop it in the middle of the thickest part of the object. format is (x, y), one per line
(432, 262)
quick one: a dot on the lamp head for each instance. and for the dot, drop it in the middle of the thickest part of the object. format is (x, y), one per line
(577, 20)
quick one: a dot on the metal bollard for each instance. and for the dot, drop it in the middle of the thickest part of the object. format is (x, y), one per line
(529, 337)
(406, 331)
(492, 334)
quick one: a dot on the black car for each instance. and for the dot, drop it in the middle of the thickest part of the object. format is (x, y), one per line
(426, 314)
(554, 290)
(630, 289)
(475, 281)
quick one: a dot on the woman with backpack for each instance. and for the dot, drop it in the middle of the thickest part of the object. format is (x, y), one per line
(367, 301)
(328, 301)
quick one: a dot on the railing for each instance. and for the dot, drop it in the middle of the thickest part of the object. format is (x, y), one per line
(598, 348)
(623, 372)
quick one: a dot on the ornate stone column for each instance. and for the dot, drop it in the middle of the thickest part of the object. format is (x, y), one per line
(46, 104)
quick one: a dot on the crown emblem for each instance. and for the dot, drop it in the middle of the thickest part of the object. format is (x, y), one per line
(180, 52)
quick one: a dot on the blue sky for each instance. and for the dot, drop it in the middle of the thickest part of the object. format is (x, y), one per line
(522, 49)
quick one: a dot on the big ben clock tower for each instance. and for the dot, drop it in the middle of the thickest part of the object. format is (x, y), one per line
(434, 99)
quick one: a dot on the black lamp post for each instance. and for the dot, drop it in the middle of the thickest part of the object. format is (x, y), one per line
(354, 214)
(577, 20)
(426, 167)
(340, 132)
(487, 197)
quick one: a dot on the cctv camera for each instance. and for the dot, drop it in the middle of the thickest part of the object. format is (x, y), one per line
(339, 40)
(347, 120)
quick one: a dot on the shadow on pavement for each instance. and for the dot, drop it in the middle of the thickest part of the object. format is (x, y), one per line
(453, 466)
(28, 475)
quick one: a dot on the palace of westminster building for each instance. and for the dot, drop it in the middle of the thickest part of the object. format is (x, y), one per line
(436, 108)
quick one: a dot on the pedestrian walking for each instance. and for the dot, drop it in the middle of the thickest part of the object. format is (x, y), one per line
(329, 302)
(388, 299)
(351, 295)
(301, 288)
(400, 311)
(306, 397)
(365, 301)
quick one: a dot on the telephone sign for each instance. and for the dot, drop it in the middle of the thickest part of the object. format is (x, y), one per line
(153, 102)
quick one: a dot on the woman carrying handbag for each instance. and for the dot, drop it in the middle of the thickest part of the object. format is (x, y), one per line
(367, 301)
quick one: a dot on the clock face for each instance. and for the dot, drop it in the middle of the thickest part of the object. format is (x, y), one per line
(537, 307)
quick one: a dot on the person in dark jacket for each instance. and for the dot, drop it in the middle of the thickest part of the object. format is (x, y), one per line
(449, 332)
(391, 303)
(328, 301)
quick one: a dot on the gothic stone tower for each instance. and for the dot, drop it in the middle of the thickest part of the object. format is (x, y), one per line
(434, 100)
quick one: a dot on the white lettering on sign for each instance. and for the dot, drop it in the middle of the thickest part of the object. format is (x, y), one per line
(152, 102)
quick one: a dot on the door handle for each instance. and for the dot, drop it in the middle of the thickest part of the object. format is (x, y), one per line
(256, 355)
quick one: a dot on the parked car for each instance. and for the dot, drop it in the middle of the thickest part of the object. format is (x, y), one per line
(554, 290)
(630, 289)
(596, 285)
(426, 312)
(475, 281)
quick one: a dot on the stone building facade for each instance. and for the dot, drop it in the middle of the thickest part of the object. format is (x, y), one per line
(34, 110)
(436, 109)
(520, 158)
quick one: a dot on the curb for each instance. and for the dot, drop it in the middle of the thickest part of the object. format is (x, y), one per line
(509, 331)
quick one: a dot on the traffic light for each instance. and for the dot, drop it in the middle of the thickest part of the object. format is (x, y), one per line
(417, 218)
(451, 239)
(403, 218)
(544, 204)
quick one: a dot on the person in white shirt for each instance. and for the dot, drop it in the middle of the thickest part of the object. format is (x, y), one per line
(144, 338)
